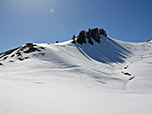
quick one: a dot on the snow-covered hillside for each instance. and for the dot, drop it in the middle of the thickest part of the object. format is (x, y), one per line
(110, 77)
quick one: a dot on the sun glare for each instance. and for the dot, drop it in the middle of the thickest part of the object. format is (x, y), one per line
(52, 10)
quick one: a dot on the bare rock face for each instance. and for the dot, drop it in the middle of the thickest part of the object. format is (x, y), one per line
(90, 36)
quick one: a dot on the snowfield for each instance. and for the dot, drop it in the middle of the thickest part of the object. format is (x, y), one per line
(110, 77)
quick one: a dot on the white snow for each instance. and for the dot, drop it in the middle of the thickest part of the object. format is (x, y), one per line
(79, 79)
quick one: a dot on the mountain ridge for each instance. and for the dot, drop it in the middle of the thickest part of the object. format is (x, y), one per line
(101, 51)
(67, 78)
(78, 54)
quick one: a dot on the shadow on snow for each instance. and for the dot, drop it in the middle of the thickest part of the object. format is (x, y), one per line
(107, 51)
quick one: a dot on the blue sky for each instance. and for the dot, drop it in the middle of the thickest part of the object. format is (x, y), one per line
(23, 21)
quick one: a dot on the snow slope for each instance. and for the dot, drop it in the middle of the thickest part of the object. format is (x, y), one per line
(110, 77)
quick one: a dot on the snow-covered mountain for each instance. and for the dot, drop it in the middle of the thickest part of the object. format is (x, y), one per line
(109, 77)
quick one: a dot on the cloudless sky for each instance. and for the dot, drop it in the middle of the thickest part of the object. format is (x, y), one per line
(45, 21)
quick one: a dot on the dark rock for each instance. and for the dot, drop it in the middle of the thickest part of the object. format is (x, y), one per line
(11, 61)
(7, 52)
(126, 73)
(21, 59)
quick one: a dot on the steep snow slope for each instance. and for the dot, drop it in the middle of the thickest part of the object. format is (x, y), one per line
(65, 78)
